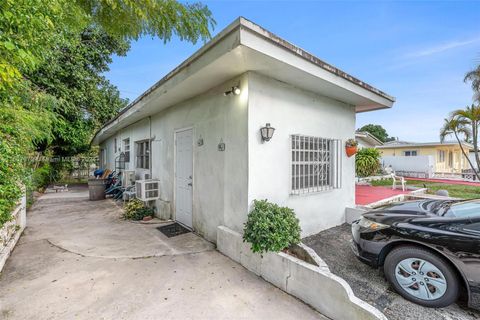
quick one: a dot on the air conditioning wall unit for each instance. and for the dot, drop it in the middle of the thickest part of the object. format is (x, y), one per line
(143, 175)
(147, 189)
(128, 178)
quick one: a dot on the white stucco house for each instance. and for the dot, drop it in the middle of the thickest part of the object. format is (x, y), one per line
(367, 140)
(203, 142)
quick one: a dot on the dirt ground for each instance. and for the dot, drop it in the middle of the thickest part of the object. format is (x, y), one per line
(369, 284)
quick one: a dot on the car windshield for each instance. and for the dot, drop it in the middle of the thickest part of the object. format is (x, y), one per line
(462, 209)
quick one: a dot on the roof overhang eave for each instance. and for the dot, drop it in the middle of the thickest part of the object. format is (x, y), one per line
(245, 47)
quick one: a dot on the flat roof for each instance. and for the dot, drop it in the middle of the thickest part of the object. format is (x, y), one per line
(241, 47)
(405, 144)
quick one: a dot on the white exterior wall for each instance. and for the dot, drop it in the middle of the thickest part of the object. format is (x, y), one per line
(294, 111)
(226, 183)
(219, 178)
(364, 144)
(420, 164)
(136, 132)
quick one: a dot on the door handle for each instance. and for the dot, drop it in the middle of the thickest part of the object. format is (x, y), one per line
(190, 184)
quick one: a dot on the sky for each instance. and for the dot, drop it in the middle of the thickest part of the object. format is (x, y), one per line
(417, 52)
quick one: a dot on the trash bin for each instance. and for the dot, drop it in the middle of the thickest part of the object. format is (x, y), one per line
(96, 189)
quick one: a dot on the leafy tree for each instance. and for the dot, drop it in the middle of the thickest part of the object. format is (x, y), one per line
(377, 131)
(30, 29)
(457, 126)
(86, 99)
(46, 95)
(20, 129)
(131, 19)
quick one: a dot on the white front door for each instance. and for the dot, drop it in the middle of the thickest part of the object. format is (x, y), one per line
(184, 176)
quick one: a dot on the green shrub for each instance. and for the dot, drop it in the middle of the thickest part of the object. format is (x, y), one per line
(136, 210)
(39, 179)
(367, 162)
(270, 227)
(22, 125)
(42, 177)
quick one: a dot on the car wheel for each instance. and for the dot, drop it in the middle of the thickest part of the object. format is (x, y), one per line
(421, 277)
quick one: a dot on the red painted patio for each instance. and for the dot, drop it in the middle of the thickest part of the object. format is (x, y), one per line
(367, 194)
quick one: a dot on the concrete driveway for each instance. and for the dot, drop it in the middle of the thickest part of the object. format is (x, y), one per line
(78, 260)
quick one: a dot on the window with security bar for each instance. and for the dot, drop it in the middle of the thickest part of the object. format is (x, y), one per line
(316, 164)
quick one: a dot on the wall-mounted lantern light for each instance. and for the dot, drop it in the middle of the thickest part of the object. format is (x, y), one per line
(234, 90)
(267, 132)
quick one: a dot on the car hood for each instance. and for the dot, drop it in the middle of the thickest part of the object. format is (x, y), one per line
(406, 210)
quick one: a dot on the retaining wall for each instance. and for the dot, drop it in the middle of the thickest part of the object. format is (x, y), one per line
(315, 285)
(11, 231)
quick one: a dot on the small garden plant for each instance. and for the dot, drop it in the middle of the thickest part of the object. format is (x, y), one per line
(351, 143)
(270, 227)
(136, 210)
(367, 162)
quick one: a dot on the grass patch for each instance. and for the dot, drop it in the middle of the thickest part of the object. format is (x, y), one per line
(454, 190)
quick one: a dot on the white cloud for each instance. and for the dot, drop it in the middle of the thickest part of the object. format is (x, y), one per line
(414, 57)
(441, 48)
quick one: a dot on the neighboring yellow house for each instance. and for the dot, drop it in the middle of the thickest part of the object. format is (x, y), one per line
(448, 157)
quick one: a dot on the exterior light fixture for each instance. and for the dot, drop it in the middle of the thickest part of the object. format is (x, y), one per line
(267, 132)
(234, 90)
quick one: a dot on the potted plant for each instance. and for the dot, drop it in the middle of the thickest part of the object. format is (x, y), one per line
(351, 147)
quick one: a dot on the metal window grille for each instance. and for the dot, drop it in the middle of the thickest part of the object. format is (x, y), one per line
(316, 164)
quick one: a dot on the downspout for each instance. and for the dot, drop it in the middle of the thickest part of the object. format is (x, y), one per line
(151, 147)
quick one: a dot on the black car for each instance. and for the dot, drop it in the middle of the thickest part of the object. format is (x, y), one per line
(429, 249)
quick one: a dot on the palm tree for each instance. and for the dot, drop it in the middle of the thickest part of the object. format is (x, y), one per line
(474, 77)
(457, 126)
(470, 116)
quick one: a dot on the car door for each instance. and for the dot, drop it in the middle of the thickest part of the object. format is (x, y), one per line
(464, 245)
(470, 258)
